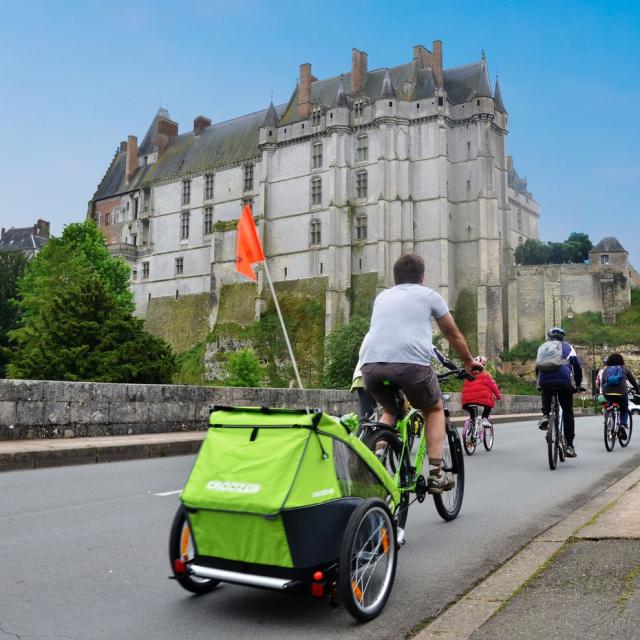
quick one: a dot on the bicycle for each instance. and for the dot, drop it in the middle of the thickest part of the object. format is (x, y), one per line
(394, 447)
(475, 431)
(613, 429)
(556, 442)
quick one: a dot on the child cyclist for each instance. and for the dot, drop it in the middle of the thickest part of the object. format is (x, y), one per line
(481, 391)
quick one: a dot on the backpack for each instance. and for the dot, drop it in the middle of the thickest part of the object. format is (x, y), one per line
(550, 355)
(613, 375)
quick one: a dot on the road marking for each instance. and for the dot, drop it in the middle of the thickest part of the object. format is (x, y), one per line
(168, 493)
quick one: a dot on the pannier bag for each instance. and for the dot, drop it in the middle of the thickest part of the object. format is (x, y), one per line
(550, 355)
(274, 487)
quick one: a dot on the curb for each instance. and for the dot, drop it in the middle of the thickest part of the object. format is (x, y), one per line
(486, 599)
(41, 454)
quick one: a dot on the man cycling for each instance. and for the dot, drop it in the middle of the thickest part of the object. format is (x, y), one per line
(562, 380)
(398, 349)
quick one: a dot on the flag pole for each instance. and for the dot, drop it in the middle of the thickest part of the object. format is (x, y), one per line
(284, 330)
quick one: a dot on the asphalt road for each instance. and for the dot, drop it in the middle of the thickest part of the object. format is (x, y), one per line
(83, 550)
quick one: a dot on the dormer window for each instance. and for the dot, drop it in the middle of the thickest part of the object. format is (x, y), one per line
(316, 117)
(359, 109)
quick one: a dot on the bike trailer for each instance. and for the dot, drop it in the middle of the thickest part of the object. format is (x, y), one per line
(269, 497)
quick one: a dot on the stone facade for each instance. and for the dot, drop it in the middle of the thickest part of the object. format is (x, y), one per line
(354, 171)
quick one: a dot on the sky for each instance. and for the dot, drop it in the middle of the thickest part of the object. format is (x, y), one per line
(78, 77)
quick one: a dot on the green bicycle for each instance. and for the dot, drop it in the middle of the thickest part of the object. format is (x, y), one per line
(402, 451)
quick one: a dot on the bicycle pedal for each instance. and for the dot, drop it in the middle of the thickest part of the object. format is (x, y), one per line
(421, 488)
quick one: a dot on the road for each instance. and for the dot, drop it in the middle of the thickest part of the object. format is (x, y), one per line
(84, 549)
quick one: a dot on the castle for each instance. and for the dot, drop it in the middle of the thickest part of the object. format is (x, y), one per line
(352, 172)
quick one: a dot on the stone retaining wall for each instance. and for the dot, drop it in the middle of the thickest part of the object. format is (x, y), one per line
(36, 409)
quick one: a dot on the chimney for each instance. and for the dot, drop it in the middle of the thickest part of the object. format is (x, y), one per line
(200, 123)
(123, 146)
(41, 228)
(166, 129)
(422, 56)
(436, 63)
(304, 90)
(358, 70)
(132, 157)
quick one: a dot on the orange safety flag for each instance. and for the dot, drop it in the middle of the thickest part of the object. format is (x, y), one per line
(248, 248)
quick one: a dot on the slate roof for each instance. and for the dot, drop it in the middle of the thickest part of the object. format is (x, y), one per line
(517, 183)
(220, 144)
(21, 240)
(497, 97)
(609, 245)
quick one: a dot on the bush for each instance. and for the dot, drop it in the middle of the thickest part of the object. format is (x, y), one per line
(243, 369)
(341, 353)
(522, 352)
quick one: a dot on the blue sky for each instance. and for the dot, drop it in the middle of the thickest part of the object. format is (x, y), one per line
(78, 77)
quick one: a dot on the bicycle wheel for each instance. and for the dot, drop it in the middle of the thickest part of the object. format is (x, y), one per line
(609, 430)
(368, 558)
(182, 551)
(488, 437)
(388, 449)
(625, 441)
(448, 503)
(553, 436)
(468, 441)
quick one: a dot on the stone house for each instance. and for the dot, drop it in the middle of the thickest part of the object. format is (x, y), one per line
(352, 172)
(28, 240)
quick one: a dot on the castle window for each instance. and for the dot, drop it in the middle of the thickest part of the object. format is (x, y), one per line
(360, 264)
(146, 193)
(604, 258)
(316, 155)
(440, 101)
(316, 232)
(361, 227)
(316, 192)
(134, 274)
(417, 105)
(107, 219)
(390, 103)
(248, 177)
(468, 147)
(286, 271)
(361, 184)
(179, 266)
(208, 221)
(358, 109)
(321, 268)
(134, 239)
(519, 219)
(184, 225)
(362, 149)
(208, 186)
(478, 103)
(145, 273)
(135, 208)
(186, 191)
(316, 117)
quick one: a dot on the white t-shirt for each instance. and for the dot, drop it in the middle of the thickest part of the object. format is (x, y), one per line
(400, 328)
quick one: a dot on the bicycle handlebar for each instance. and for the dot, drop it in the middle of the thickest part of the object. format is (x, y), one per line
(453, 369)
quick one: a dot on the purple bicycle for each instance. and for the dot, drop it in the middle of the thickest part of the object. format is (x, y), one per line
(476, 431)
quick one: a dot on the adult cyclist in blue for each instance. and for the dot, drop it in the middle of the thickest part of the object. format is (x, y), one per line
(563, 380)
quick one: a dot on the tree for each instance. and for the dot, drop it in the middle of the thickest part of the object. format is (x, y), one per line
(531, 252)
(76, 321)
(341, 353)
(243, 369)
(80, 334)
(583, 245)
(12, 266)
(575, 249)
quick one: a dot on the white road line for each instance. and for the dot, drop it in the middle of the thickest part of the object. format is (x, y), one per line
(168, 493)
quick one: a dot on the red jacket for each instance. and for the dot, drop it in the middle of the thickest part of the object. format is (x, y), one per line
(481, 390)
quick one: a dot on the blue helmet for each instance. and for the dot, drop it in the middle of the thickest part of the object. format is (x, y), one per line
(555, 333)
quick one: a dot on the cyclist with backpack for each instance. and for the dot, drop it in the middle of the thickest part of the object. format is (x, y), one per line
(559, 372)
(614, 381)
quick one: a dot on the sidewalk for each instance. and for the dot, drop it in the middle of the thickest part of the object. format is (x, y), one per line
(580, 580)
(56, 452)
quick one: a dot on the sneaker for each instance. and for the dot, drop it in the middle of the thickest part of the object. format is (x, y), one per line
(570, 452)
(622, 431)
(486, 422)
(543, 423)
(438, 480)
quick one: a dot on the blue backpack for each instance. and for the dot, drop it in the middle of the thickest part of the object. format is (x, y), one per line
(613, 375)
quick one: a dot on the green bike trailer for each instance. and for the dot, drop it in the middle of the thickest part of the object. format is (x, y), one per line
(269, 500)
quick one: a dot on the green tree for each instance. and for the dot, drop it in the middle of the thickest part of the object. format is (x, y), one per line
(80, 334)
(341, 353)
(243, 369)
(531, 252)
(575, 249)
(12, 266)
(583, 245)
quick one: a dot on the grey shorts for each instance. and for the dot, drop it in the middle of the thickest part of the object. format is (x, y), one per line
(419, 383)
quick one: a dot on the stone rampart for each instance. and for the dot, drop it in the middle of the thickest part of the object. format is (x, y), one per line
(37, 409)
